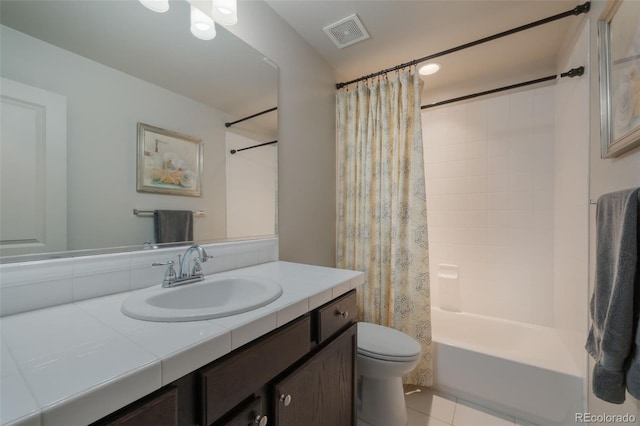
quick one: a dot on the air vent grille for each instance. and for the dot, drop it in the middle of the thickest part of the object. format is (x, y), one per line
(346, 31)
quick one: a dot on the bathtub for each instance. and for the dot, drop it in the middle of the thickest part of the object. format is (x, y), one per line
(519, 369)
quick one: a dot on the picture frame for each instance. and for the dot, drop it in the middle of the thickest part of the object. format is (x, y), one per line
(619, 63)
(168, 162)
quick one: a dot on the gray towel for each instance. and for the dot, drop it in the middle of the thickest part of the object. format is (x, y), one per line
(614, 314)
(172, 226)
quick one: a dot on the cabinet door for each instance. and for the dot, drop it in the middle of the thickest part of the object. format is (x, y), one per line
(321, 391)
(229, 381)
(250, 413)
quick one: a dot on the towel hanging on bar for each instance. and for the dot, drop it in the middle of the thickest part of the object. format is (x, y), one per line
(172, 226)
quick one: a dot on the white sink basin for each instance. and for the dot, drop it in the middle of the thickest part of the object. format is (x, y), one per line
(207, 299)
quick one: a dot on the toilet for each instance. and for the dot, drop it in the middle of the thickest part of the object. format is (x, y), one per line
(384, 356)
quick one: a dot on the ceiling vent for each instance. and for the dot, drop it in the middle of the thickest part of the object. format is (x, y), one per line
(346, 31)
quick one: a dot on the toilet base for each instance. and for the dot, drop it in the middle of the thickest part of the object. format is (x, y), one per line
(381, 402)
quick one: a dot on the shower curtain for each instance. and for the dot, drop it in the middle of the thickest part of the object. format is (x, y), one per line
(382, 211)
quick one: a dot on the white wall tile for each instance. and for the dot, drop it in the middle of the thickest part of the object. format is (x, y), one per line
(498, 183)
(29, 272)
(478, 149)
(34, 285)
(32, 296)
(498, 200)
(96, 285)
(491, 202)
(91, 265)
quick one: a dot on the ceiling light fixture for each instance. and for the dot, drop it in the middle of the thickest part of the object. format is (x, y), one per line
(159, 6)
(430, 68)
(225, 11)
(202, 25)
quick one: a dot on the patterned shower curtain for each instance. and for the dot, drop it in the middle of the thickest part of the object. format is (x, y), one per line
(382, 211)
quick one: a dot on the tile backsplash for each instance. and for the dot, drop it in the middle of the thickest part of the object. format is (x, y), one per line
(28, 286)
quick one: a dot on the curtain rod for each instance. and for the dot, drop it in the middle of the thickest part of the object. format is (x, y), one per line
(250, 117)
(233, 151)
(578, 10)
(573, 72)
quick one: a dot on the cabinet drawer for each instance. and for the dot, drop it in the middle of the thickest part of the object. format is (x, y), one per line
(228, 382)
(159, 408)
(336, 315)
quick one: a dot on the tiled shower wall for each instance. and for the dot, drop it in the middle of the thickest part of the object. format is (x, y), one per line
(489, 167)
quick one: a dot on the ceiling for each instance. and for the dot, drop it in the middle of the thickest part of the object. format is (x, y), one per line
(401, 31)
(130, 38)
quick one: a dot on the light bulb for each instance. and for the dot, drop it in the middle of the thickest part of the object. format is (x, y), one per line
(429, 69)
(160, 6)
(225, 11)
(202, 26)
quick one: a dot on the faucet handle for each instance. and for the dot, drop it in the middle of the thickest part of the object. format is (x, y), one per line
(168, 262)
(170, 275)
(197, 267)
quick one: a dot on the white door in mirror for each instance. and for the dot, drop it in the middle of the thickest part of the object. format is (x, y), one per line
(33, 170)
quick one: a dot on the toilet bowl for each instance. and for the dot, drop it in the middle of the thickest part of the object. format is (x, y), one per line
(384, 356)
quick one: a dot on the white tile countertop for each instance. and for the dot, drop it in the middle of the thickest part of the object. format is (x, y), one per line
(75, 363)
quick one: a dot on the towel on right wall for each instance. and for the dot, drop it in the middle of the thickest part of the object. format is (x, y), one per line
(614, 337)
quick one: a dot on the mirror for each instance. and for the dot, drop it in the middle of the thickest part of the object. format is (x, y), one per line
(108, 66)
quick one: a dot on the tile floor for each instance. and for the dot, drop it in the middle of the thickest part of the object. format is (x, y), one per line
(428, 408)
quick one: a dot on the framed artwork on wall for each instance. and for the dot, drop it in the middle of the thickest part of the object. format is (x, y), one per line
(168, 162)
(619, 63)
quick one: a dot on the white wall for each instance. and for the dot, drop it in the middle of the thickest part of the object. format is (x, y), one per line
(252, 177)
(306, 140)
(605, 176)
(571, 192)
(104, 107)
(489, 172)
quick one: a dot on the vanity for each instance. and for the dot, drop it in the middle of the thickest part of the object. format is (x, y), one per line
(303, 373)
(291, 362)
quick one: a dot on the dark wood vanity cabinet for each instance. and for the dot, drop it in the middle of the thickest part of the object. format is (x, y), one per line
(321, 391)
(301, 374)
(229, 381)
(158, 409)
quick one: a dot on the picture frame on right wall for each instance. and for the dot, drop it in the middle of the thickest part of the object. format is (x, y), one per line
(619, 63)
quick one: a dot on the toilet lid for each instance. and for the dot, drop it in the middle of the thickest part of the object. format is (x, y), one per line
(385, 343)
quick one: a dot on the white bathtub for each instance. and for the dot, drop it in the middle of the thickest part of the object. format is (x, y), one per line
(519, 369)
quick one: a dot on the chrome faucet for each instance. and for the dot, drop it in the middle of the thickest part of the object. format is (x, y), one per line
(185, 274)
(197, 268)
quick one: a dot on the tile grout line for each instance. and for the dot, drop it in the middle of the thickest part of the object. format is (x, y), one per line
(455, 407)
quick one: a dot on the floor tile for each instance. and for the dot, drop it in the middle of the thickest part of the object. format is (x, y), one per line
(434, 404)
(520, 422)
(417, 418)
(468, 414)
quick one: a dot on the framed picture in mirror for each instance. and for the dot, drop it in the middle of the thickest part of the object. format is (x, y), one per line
(619, 63)
(168, 162)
